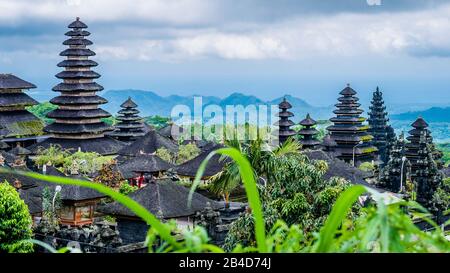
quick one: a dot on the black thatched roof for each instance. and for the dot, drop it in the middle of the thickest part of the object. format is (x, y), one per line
(339, 168)
(68, 100)
(103, 146)
(9, 81)
(77, 63)
(78, 87)
(284, 104)
(76, 129)
(77, 42)
(77, 75)
(149, 144)
(3, 145)
(172, 131)
(420, 123)
(77, 24)
(19, 124)
(33, 202)
(308, 121)
(190, 168)
(129, 103)
(16, 99)
(26, 182)
(164, 198)
(77, 114)
(143, 163)
(348, 91)
(18, 150)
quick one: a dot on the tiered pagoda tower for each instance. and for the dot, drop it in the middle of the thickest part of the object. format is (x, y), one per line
(427, 176)
(130, 125)
(78, 119)
(420, 126)
(309, 133)
(349, 133)
(284, 124)
(379, 127)
(391, 176)
(16, 123)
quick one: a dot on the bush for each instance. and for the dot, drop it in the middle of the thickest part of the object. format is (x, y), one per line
(367, 167)
(15, 222)
(187, 152)
(164, 154)
(126, 189)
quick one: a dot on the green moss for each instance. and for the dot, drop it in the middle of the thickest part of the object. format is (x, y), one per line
(25, 128)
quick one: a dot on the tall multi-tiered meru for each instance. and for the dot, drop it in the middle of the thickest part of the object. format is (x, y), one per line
(420, 127)
(379, 127)
(353, 142)
(130, 125)
(16, 123)
(78, 121)
(284, 124)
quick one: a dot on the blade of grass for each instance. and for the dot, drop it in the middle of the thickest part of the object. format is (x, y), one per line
(337, 215)
(135, 207)
(249, 182)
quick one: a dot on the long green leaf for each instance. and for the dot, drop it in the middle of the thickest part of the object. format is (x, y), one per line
(248, 179)
(135, 207)
(337, 215)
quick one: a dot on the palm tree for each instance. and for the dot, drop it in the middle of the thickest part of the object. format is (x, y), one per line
(262, 158)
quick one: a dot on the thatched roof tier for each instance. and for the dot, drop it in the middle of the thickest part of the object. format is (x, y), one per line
(78, 75)
(77, 52)
(16, 99)
(285, 123)
(77, 63)
(103, 146)
(129, 103)
(349, 119)
(128, 111)
(20, 124)
(3, 145)
(308, 121)
(78, 100)
(130, 118)
(348, 91)
(9, 81)
(78, 114)
(164, 198)
(420, 123)
(77, 24)
(78, 87)
(214, 166)
(310, 131)
(77, 33)
(77, 42)
(287, 133)
(284, 104)
(347, 112)
(143, 164)
(134, 125)
(76, 129)
(286, 114)
(33, 202)
(149, 144)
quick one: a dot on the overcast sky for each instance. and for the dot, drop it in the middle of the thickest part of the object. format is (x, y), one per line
(306, 48)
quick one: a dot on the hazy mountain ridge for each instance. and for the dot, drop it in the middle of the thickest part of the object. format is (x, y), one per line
(434, 114)
(152, 104)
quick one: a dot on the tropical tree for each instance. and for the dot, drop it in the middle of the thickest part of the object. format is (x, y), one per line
(15, 222)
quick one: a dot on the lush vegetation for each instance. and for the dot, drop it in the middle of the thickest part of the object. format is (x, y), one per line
(84, 163)
(384, 226)
(41, 110)
(15, 222)
(445, 148)
(185, 153)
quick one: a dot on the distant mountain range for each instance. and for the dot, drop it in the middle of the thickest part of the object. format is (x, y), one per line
(152, 104)
(434, 114)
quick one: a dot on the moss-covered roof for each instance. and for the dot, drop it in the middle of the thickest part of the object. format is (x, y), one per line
(20, 124)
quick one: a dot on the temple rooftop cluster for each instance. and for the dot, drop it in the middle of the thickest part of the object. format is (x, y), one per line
(78, 124)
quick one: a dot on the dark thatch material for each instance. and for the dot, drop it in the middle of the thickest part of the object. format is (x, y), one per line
(215, 165)
(3, 145)
(77, 42)
(33, 202)
(88, 113)
(78, 52)
(77, 63)
(78, 87)
(172, 131)
(16, 99)
(77, 33)
(164, 198)
(77, 24)
(20, 124)
(26, 182)
(20, 151)
(66, 100)
(149, 144)
(78, 75)
(75, 129)
(143, 164)
(339, 168)
(9, 81)
(103, 146)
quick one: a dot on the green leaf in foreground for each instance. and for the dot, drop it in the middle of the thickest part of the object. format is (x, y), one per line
(248, 179)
